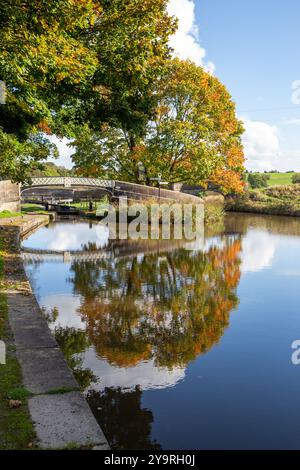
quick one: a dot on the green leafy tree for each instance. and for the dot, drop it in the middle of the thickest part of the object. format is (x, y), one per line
(258, 180)
(17, 158)
(50, 169)
(43, 59)
(131, 43)
(66, 63)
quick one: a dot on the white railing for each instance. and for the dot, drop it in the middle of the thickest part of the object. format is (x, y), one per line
(70, 181)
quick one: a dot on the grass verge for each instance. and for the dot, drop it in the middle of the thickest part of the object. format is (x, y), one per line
(8, 214)
(33, 208)
(16, 428)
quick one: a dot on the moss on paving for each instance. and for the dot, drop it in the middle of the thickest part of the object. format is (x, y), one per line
(8, 214)
(16, 428)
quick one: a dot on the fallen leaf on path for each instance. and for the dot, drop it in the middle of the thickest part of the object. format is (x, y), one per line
(14, 403)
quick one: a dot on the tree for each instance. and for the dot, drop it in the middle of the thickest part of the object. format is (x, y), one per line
(296, 178)
(43, 58)
(78, 61)
(131, 43)
(50, 169)
(258, 180)
(17, 158)
(193, 135)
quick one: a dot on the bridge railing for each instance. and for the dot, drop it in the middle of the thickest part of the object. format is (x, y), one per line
(69, 181)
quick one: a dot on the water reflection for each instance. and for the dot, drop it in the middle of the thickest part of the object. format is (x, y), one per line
(167, 308)
(126, 424)
(183, 349)
(133, 321)
(69, 235)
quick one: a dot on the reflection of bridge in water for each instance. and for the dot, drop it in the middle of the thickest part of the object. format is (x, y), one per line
(64, 256)
(113, 250)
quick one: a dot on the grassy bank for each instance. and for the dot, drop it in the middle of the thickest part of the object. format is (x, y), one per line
(276, 179)
(274, 200)
(16, 428)
(33, 209)
(25, 209)
(8, 214)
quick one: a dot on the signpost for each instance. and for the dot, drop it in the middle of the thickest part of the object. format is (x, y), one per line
(160, 183)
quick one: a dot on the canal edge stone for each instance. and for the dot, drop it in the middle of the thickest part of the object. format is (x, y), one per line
(73, 424)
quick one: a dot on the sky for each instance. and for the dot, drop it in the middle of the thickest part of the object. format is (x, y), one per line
(252, 47)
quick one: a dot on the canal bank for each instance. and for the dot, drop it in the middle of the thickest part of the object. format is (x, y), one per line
(43, 389)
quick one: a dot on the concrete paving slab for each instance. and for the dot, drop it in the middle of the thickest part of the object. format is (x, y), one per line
(65, 420)
(29, 327)
(45, 370)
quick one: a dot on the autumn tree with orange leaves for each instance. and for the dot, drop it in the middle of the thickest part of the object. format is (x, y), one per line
(193, 137)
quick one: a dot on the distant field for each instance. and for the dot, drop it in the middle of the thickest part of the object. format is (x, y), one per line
(280, 178)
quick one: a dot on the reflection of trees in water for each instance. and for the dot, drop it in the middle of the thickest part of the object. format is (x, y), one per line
(90, 246)
(172, 307)
(73, 344)
(125, 423)
(280, 225)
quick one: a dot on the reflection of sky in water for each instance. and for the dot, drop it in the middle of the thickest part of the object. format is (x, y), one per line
(145, 374)
(67, 304)
(258, 251)
(67, 236)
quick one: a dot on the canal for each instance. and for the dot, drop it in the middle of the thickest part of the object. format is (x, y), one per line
(178, 346)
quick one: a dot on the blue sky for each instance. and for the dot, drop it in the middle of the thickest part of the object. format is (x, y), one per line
(253, 47)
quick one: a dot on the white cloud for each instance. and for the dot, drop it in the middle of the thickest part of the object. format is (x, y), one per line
(185, 41)
(261, 144)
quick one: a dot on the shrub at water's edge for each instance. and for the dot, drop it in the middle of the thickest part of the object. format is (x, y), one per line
(214, 210)
(274, 200)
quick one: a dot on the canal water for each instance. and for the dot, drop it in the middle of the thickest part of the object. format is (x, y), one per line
(178, 346)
